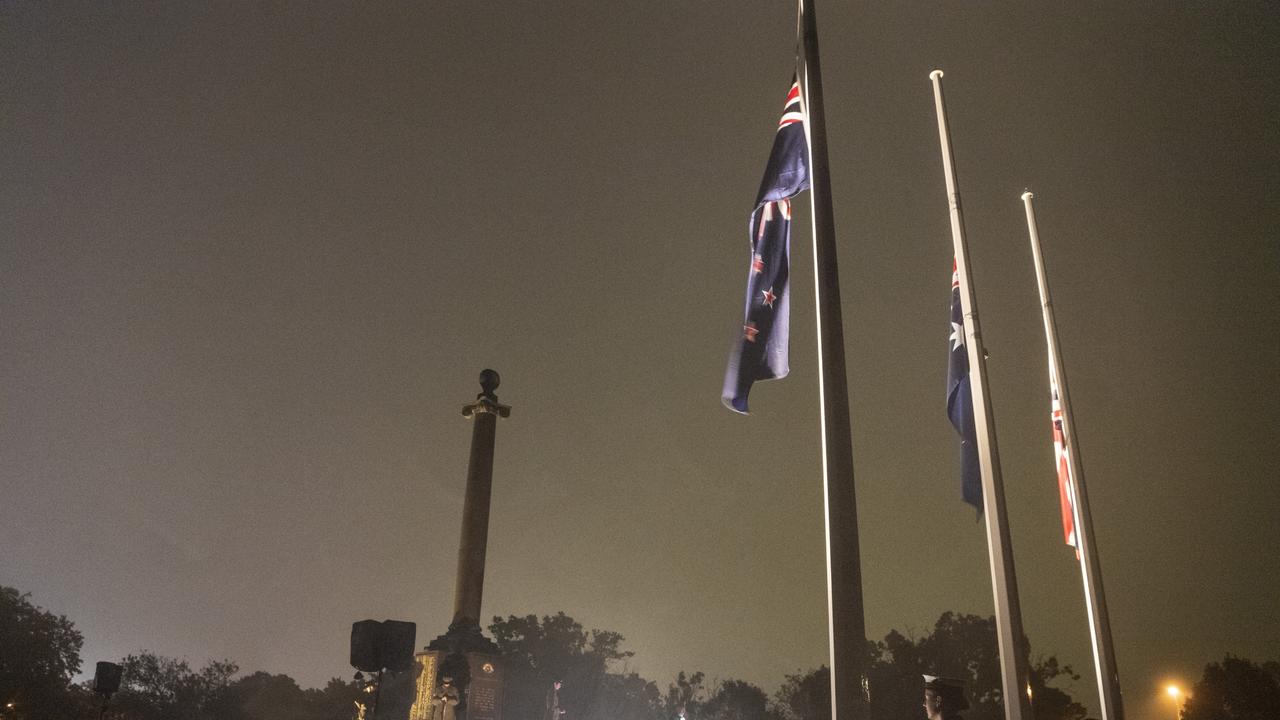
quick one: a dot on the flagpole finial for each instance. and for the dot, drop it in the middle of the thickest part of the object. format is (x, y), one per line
(935, 74)
(1027, 195)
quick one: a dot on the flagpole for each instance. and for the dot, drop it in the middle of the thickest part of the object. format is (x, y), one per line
(846, 624)
(1104, 658)
(1004, 582)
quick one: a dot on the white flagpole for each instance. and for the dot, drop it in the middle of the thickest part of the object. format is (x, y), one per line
(846, 624)
(1004, 583)
(1104, 658)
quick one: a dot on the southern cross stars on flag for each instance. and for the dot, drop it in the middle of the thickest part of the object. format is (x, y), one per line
(760, 352)
(960, 401)
(1066, 490)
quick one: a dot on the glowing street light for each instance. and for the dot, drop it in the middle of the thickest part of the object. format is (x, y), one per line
(1176, 694)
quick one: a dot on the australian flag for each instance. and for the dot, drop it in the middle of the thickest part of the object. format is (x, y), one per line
(760, 353)
(960, 401)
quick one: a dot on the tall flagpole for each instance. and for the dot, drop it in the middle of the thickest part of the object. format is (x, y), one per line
(1104, 657)
(1004, 582)
(846, 625)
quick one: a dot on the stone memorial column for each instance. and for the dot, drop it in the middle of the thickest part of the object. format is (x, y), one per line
(463, 653)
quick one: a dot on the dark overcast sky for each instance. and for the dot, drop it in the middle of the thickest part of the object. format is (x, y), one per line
(253, 256)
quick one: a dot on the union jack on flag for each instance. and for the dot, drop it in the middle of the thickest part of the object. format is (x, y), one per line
(1066, 489)
(761, 350)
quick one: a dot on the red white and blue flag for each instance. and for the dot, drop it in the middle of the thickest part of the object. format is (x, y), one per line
(761, 350)
(960, 400)
(1066, 489)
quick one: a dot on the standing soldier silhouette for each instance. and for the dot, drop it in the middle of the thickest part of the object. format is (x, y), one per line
(944, 698)
(554, 711)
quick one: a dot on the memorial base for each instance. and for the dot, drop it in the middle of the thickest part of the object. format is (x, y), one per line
(477, 675)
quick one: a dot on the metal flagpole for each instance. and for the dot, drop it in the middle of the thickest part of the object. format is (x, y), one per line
(846, 625)
(1104, 658)
(1004, 583)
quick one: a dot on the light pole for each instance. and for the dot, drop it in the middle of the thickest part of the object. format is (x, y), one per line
(1175, 692)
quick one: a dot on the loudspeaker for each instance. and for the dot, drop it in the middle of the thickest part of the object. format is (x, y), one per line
(366, 645)
(398, 639)
(377, 645)
(106, 678)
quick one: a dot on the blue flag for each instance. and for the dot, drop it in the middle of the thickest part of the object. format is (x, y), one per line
(760, 353)
(960, 401)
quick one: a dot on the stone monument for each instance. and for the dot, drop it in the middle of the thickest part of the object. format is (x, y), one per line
(463, 655)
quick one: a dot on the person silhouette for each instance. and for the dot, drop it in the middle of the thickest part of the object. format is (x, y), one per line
(554, 711)
(944, 698)
(444, 699)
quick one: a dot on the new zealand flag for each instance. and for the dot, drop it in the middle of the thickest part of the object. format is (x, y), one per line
(761, 352)
(960, 401)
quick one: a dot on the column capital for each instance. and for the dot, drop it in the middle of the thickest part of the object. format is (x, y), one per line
(487, 401)
(484, 405)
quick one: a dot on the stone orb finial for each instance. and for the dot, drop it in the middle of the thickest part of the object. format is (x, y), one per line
(486, 401)
(489, 381)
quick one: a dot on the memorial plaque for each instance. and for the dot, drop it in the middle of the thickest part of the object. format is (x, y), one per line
(427, 663)
(484, 693)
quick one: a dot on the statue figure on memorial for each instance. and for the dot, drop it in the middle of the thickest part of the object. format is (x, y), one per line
(554, 711)
(944, 698)
(444, 699)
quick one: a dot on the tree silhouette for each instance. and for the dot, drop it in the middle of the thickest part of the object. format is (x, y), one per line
(724, 700)
(1236, 689)
(39, 654)
(805, 696)
(738, 700)
(154, 687)
(556, 647)
(960, 646)
(686, 693)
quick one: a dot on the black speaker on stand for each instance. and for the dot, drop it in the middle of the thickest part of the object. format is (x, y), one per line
(378, 646)
(106, 682)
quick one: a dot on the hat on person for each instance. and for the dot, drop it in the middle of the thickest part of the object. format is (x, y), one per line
(950, 690)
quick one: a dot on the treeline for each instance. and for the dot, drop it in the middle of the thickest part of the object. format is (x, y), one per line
(555, 647)
(40, 654)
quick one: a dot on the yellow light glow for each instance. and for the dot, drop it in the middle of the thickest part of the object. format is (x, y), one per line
(1173, 690)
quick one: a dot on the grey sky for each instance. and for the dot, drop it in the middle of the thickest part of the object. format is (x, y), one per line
(253, 256)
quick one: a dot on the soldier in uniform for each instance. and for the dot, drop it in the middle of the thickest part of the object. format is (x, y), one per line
(444, 699)
(944, 698)
(554, 711)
